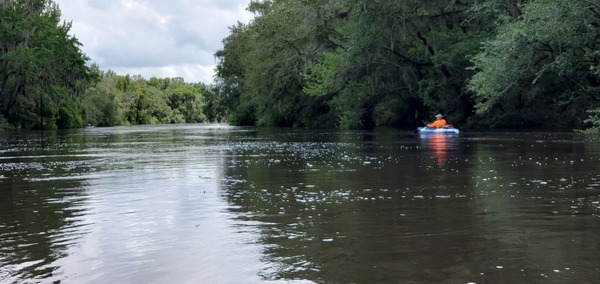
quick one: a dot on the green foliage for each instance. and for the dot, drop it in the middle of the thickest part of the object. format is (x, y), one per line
(327, 63)
(100, 105)
(544, 59)
(124, 100)
(243, 115)
(187, 101)
(350, 105)
(4, 124)
(215, 107)
(322, 77)
(262, 65)
(230, 73)
(66, 112)
(392, 110)
(366, 63)
(593, 119)
(37, 58)
(276, 60)
(69, 117)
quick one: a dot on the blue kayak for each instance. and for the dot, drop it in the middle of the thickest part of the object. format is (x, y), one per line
(448, 130)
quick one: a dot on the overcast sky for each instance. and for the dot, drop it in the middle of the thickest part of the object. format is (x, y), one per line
(161, 38)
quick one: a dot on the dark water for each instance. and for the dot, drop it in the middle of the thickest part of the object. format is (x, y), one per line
(218, 204)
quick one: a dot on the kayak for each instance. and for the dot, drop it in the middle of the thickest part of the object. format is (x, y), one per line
(447, 130)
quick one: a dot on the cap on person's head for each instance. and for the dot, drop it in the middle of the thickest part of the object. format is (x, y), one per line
(438, 116)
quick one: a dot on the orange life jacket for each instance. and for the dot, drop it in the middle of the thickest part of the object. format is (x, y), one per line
(437, 123)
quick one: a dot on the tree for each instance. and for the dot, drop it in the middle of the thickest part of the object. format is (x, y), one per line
(186, 101)
(101, 105)
(542, 68)
(42, 69)
(363, 64)
(124, 99)
(262, 65)
(399, 59)
(230, 84)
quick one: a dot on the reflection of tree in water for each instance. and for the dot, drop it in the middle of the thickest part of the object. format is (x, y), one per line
(352, 236)
(39, 213)
(348, 216)
(384, 212)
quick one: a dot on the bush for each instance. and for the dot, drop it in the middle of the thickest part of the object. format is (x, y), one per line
(69, 117)
(594, 120)
(4, 124)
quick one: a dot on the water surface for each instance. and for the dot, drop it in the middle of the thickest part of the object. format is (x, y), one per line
(220, 204)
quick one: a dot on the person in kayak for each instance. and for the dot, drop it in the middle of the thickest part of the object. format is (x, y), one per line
(439, 122)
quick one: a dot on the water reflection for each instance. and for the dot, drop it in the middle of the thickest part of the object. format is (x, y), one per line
(41, 208)
(341, 217)
(218, 204)
(119, 205)
(439, 144)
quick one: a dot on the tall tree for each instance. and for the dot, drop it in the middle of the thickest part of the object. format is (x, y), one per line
(542, 68)
(401, 58)
(350, 63)
(43, 72)
(359, 63)
(270, 57)
(230, 71)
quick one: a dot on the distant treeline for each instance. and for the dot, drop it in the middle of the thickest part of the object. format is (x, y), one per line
(45, 81)
(328, 63)
(123, 100)
(365, 63)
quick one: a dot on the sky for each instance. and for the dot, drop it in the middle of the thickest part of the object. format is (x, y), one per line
(154, 38)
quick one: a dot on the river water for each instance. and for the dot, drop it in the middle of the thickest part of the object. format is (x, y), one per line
(219, 204)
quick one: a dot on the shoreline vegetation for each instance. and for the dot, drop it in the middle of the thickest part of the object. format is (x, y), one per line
(349, 64)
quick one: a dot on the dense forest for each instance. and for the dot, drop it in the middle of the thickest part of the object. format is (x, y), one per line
(123, 100)
(364, 63)
(484, 64)
(43, 72)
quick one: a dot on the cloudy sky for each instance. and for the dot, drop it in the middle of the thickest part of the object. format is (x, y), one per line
(161, 38)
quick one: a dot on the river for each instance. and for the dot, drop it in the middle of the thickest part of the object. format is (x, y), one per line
(211, 203)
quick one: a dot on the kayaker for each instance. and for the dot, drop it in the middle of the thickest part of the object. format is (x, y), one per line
(439, 122)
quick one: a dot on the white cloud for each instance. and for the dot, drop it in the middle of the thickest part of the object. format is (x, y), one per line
(176, 38)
